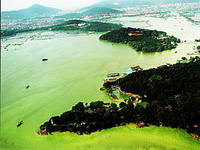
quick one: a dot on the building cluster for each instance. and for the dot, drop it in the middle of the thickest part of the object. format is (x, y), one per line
(19, 24)
(189, 9)
(158, 9)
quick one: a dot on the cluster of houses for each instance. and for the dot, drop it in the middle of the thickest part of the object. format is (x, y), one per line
(136, 33)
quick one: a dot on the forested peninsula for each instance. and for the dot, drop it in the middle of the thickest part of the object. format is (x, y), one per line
(70, 25)
(142, 39)
(171, 97)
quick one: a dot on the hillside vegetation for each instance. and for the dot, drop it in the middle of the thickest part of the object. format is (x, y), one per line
(81, 25)
(142, 39)
(71, 25)
(171, 97)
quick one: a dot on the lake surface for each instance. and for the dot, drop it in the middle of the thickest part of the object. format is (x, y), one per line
(74, 71)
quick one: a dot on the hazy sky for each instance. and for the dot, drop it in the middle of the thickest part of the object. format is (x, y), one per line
(7, 5)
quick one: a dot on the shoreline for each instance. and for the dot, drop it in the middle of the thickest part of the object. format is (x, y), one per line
(44, 105)
(88, 124)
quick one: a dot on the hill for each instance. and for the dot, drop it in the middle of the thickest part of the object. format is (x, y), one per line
(85, 26)
(142, 39)
(101, 11)
(130, 3)
(71, 25)
(32, 12)
(92, 12)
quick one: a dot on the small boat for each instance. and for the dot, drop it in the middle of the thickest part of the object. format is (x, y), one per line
(109, 80)
(27, 87)
(44, 59)
(20, 123)
(112, 74)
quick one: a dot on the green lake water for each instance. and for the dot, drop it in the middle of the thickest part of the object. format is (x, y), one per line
(75, 70)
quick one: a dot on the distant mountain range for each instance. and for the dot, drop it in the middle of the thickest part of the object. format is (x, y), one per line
(92, 12)
(36, 11)
(129, 3)
(100, 8)
(32, 12)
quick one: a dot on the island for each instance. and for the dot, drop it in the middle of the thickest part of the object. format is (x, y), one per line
(70, 25)
(168, 96)
(142, 39)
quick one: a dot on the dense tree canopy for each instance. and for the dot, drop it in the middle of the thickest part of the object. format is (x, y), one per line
(170, 94)
(171, 91)
(142, 39)
(85, 26)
